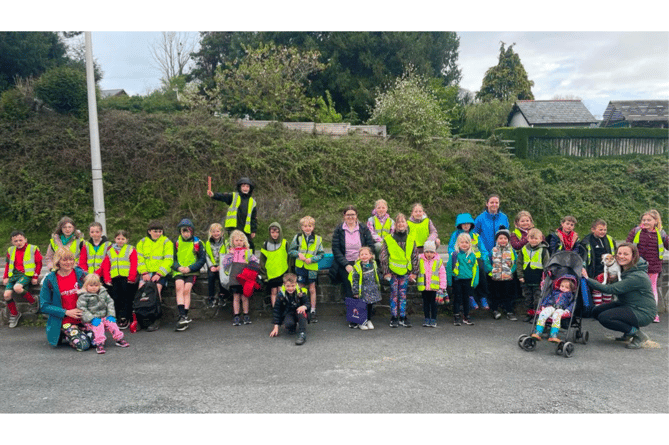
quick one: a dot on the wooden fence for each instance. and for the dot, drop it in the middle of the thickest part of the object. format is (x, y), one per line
(594, 147)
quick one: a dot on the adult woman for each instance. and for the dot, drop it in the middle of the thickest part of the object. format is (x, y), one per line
(58, 299)
(490, 221)
(636, 306)
(66, 235)
(347, 240)
(651, 241)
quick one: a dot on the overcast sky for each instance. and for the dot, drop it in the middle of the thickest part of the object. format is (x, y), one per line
(617, 61)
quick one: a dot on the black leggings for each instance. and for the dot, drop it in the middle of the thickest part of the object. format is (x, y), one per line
(615, 317)
(429, 304)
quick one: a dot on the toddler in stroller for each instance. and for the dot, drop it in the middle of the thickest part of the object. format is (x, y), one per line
(560, 302)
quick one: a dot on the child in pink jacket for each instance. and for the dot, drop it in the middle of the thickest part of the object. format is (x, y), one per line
(431, 281)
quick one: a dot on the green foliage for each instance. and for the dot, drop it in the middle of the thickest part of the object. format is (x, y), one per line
(358, 63)
(410, 108)
(482, 118)
(28, 54)
(64, 90)
(506, 81)
(325, 112)
(14, 105)
(155, 166)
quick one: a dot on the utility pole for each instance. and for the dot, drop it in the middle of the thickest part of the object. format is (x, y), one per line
(96, 161)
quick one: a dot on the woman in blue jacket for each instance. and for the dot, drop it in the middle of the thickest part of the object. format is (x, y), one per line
(490, 221)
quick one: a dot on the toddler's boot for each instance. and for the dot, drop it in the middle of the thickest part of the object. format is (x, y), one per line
(553, 335)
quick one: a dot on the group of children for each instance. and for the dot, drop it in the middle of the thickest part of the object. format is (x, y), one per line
(406, 249)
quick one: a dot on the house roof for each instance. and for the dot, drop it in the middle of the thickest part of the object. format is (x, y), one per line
(636, 110)
(546, 112)
(116, 92)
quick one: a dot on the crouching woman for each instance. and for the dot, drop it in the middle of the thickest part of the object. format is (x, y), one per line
(636, 306)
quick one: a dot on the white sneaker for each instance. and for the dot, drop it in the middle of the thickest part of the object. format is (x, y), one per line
(369, 324)
(364, 326)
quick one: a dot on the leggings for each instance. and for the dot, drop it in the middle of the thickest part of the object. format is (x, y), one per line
(462, 290)
(429, 304)
(553, 313)
(99, 338)
(398, 295)
(615, 317)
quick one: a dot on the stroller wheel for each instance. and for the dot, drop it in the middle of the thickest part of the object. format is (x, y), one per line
(528, 344)
(585, 337)
(560, 348)
(568, 349)
(521, 338)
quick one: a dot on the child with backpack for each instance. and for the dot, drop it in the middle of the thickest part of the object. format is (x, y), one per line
(464, 223)
(364, 280)
(189, 259)
(239, 256)
(119, 272)
(22, 267)
(155, 255)
(98, 314)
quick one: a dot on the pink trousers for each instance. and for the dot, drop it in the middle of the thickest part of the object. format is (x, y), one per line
(99, 337)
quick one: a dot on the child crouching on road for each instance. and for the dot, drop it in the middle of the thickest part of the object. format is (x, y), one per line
(291, 309)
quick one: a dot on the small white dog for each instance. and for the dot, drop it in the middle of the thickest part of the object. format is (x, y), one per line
(611, 267)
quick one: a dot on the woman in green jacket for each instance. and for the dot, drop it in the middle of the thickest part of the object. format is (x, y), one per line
(636, 306)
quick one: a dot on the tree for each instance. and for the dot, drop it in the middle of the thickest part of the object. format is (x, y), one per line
(268, 83)
(26, 54)
(482, 118)
(64, 90)
(410, 108)
(507, 80)
(172, 53)
(217, 50)
(357, 63)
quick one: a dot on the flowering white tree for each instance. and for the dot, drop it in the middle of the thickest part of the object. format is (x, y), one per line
(410, 108)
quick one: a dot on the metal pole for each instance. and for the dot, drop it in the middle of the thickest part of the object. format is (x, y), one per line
(96, 162)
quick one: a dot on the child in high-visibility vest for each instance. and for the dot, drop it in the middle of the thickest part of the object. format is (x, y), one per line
(651, 241)
(68, 236)
(214, 247)
(462, 272)
(22, 267)
(530, 264)
(96, 247)
(119, 272)
(399, 265)
(274, 260)
(189, 257)
(421, 227)
(241, 214)
(307, 249)
(380, 224)
(431, 280)
(364, 280)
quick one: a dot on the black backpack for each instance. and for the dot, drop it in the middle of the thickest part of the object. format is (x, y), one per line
(147, 302)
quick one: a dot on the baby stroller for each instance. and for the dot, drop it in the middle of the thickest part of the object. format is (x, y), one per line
(562, 263)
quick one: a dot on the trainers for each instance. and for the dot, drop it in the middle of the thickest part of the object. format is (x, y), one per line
(657, 319)
(433, 323)
(467, 321)
(212, 302)
(370, 325)
(496, 315)
(353, 325)
(363, 326)
(484, 304)
(472, 303)
(426, 323)
(510, 316)
(122, 343)
(536, 336)
(456, 320)
(301, 338)
(247, 319)
(404, 321)
(312, 317)
(393, 322)
(123, 324)
(638, 340)
(182, 324)
(236, 321)
(188, 319)
(14, 320)
(153, 326)
(624, 337)
(100, 349)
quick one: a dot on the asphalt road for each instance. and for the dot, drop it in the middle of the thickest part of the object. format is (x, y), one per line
(216, 368)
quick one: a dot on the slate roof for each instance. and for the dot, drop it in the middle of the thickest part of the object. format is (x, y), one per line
(116, 92)
(554, 112)
(636, 110)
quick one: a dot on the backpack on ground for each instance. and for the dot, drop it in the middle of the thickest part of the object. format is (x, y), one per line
(147, 302)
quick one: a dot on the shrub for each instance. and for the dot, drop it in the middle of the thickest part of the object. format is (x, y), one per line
(63, 89)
